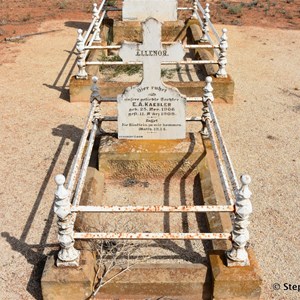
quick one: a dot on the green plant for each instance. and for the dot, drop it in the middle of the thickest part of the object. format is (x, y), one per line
(235, 9)
(119, 69)
(111, 2)
(224, 5)
(62, 4)
(251, 4)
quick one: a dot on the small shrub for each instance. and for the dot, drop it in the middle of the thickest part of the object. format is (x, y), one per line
(62, 4)
(111, 2)
(235, 9)
(119, 69)
(251, 4)
(224, 5)
(26, 18)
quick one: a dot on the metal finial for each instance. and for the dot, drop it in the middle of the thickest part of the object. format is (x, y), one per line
(95, 90)
(222, 61)
(238, 255)
(79, 37)
(61, 192)
(208, 89)
(205, 29)
(207, 10)
(95, 10)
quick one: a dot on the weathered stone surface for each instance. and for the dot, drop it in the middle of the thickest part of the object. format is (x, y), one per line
(235, 283)
(140, 10)
(138, 158)
(213, 194)
(80, 89)
(61, 283)
(132, 31)
(184, 281)
(92, 195)
(151, 110)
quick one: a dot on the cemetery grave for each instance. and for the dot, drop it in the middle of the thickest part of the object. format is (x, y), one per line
(204, 53)
(167, 186)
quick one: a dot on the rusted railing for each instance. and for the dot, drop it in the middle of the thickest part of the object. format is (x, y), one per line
(67, 200)
(85, 42)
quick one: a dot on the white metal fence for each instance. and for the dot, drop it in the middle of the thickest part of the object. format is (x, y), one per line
(85, 43)
(67, 199)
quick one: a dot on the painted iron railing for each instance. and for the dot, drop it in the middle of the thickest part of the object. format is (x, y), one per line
(85, 43)
(67, 199)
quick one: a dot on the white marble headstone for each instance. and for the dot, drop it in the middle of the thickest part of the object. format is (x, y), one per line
(140, 10)
(151, 110)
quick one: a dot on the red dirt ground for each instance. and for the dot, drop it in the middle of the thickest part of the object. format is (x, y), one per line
(18, 17)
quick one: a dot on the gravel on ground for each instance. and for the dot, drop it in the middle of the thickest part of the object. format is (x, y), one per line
(40, 131)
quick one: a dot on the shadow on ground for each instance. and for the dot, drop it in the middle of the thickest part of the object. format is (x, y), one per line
(35, 253)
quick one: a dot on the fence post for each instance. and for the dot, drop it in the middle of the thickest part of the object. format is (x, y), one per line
(67, 255)
(205, 28)
(238, 255)
(195, 9)
(222, 61)
(95, 10)
(95, 95)
(82, 74)
(97, 23)
(207, 95)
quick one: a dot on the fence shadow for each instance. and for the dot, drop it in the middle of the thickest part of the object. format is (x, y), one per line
(35, 253)
(188, 252)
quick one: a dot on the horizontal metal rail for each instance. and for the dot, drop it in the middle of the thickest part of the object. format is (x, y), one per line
(120, 63)
(78, 157)
(222, 174)
(117, 47)
(115, 118)
(225, 154)
(90, 43)
(154, 209)
(85, 164)
(152, 236)
(185, 8)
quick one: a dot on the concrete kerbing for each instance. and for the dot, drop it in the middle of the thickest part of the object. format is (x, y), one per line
(235, 283)
(179, 281)
(60, 283)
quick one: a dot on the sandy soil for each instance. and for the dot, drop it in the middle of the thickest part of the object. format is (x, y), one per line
(40, 132)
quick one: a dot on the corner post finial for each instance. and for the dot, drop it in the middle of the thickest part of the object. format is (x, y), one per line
(222, 61)
(195, 9)
(205, 29)
(67, 255)
(82, 74)
(95, 95)
(238, 255)
(95, 10)
(207, 96)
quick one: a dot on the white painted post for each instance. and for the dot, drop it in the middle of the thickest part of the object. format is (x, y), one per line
(97, 23)
(67, 255)
(238, 255)
(97, 32)
(207, 95)
(222, 61)
(95, 95)
(95, 10)
(205, 28)
(195, 9)
(82, 74)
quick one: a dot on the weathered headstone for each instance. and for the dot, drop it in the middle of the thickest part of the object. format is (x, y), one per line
(151, 110)
(140, 10)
